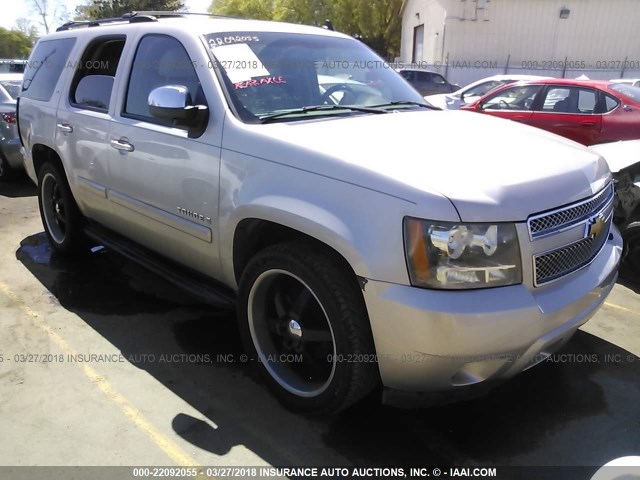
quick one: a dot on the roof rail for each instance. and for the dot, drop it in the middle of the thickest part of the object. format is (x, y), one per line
(133, 17)
(165, 13)
(126, 18)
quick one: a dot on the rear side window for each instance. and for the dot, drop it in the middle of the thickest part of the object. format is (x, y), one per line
(44, 68)
(93, 83)
(586, 101)
(610, 103)
(574, 100)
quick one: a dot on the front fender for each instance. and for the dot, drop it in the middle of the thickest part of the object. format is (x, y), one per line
(307, 218)
(362, 225)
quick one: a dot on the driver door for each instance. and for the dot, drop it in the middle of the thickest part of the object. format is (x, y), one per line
(164, 178)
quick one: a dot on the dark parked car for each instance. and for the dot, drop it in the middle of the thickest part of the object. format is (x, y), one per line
(10, 156)
(426, 82)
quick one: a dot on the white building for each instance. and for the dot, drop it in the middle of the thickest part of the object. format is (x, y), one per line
(470, 39)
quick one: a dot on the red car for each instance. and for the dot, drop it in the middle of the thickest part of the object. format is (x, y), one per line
(587, 111)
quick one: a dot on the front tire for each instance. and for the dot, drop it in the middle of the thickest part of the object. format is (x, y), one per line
(61, 218)
(304, 321)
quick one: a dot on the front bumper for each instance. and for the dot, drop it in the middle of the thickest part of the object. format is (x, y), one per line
(447, 341)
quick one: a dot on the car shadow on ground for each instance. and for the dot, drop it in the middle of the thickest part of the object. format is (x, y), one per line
(581, 408)
(17, 187)
(631, 280)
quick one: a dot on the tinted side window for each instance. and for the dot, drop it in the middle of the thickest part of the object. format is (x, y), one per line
(408, 75)
(424, 76)
(160, 60)
(12, 66)
(438, 79)
(44, 68)
(483, 88)
(93, 82)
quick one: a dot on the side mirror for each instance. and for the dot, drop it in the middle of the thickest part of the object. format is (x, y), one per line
(173, 102)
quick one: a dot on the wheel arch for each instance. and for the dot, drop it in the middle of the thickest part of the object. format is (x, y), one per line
(266, 226)
(42, 154)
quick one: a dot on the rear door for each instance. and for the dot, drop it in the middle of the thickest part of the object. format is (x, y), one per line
(84, 120)
(621, 113)
(570, 111)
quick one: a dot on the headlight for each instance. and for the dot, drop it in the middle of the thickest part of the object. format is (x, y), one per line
(461, 255)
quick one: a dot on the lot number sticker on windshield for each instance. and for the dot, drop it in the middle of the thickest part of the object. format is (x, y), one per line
(240, 63)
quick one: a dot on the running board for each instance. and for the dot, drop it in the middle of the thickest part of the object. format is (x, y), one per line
(199, 286)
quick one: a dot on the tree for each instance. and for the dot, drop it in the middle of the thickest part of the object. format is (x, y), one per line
(116, 8)
(24, 26)
(50, 12)
(376, 23)
(256, 9)
(14, 44)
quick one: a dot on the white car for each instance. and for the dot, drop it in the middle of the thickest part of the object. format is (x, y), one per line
(624, 162)
(472, 92)
(629, 81)
(354, 253)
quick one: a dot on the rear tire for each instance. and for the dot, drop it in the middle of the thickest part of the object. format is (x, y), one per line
(630, 263)
(63, 223)
(304, 321)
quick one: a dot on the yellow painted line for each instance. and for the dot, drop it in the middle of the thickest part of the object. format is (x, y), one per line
(179, 456)
(620, 307)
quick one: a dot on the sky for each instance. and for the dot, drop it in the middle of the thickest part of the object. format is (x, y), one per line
(14, 9)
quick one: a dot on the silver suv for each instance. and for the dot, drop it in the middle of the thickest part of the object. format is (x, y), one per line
(285, 170)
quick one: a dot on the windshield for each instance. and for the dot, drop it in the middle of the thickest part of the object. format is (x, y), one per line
(12, 88)
(626, 90)
(267, 73)
(484, 88)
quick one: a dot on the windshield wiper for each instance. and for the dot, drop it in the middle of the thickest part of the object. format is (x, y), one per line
(407, 103)
(320, 108)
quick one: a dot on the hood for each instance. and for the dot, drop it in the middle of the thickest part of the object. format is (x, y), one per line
(619, 155)
(489, 168)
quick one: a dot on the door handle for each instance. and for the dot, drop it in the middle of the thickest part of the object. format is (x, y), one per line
(588, 124)
(122, 145)
(519, 119)
(64, 127)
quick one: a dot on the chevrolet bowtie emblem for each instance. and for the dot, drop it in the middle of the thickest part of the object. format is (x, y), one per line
(596, 226)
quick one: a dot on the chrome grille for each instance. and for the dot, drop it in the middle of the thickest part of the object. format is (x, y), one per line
(551, 222)
(558, 263)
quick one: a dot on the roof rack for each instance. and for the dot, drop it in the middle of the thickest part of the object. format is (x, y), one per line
(132, 17)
